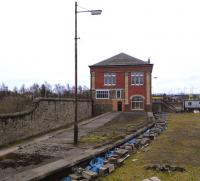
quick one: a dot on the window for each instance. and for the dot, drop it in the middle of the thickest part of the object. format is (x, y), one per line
(137, 78)
(137, 102)
(102, 94)
(109, 79)
(189, 103)
(118, 94)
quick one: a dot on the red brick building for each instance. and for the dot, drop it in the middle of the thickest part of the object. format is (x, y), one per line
(121, 83)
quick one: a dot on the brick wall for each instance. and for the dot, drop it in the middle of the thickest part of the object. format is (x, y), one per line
(45, 115)
(123, 82)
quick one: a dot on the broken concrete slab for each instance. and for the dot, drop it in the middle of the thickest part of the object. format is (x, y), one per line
(129, 148)
(121, 160)
(111, 167)
(88, 174)
(103, 171)
(152, 179)
(121, 152)
(112, 160)
(155, 179)
(75, 176)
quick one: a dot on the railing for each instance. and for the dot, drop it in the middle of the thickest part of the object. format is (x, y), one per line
(166, 104)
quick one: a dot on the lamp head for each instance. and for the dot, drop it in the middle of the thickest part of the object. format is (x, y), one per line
(96, 12)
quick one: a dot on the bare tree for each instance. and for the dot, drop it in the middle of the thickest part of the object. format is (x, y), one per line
(59, 89)
(15, 90)
(3, 90)
(22, 89)
(3, 87)
(35, 89)
(45, 89)
(80, 89)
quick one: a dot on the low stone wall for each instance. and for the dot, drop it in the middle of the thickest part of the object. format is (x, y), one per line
(46, 114)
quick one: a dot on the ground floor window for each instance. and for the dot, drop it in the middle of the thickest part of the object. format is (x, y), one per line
(102, 94)
(137, 102)
(118, 94)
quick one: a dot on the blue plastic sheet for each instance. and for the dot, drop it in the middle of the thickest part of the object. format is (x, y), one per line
(95, 164)
(67, 179)
(109, 153)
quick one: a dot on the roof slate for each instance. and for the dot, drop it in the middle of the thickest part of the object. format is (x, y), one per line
(120, 59)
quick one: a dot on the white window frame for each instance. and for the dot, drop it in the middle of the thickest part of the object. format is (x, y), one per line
(109, 79)
(102, 93)
(120, 94)
(139, 102)
(137, 78)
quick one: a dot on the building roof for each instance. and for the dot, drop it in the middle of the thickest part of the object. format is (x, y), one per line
(121, 59)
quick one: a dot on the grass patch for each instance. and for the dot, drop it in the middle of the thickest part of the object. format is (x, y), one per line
(118, 128)
(179, 146)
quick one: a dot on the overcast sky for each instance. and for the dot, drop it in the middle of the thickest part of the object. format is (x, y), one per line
(37, 40)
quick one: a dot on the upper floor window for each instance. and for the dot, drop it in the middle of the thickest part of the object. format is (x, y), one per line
(102, 94)
(109, 78)
(137, 78)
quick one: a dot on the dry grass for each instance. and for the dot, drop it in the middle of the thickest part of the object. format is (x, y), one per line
(118, 128)
(12, 104)
(179, 146)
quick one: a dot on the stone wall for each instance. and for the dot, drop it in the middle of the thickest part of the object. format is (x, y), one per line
(46, 114)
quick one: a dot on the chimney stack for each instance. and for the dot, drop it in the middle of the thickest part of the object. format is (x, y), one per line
(149, 61)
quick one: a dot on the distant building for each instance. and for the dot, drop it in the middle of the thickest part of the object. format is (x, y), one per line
(121, 83)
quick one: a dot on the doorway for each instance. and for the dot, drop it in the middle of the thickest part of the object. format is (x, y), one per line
(119, 105)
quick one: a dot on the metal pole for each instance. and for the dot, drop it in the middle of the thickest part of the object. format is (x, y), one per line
(75, 94)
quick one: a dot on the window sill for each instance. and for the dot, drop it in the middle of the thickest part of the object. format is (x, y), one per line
(137, 109)
(137, 84)
(110, 85)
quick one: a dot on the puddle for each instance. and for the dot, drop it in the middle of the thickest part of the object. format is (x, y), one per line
(14, 160)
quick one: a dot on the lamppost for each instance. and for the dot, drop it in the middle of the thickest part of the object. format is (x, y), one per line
(93, 12)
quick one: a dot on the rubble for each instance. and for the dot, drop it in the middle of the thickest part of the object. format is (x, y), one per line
(152, 179)
(114, 158)
(88, 174)
(165, 168)
(121, 152)
(75, 176)
(134, 160)
(110, 167)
